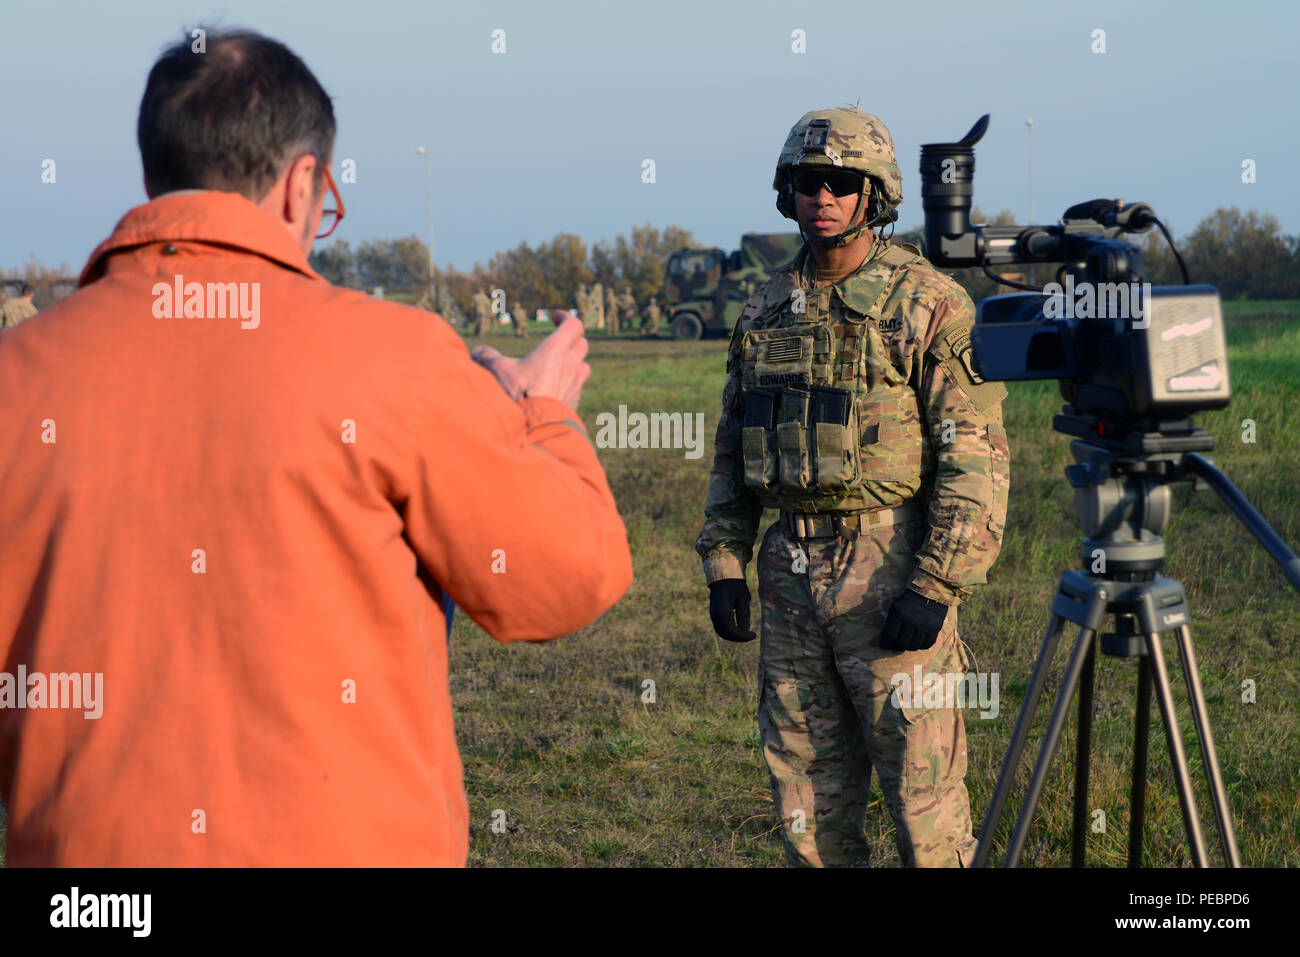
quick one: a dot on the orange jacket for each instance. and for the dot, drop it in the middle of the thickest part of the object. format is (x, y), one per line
(245, 525)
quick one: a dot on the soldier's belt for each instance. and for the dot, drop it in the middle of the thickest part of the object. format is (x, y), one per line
(803, 525)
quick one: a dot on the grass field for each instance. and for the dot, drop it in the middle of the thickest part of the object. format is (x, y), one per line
(558, 736)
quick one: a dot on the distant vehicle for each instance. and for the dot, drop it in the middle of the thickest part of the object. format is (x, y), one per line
(705, 289)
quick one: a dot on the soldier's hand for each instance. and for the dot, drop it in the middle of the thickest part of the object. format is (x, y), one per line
(914, 623)
(555, 368)
(729, 609)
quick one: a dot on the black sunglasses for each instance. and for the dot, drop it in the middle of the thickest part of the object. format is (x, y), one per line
(841, 182)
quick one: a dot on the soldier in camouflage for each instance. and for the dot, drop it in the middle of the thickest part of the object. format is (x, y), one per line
(482, 312)
(19, 308)
(584, 311)
(650, 324)
(627, 305)
(519, 319)
(598, 305)
(853, 406)
(611, 311)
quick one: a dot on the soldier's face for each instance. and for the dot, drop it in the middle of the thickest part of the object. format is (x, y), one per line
(824, 214)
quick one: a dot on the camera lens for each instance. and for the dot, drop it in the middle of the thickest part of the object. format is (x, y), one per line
(947, 185)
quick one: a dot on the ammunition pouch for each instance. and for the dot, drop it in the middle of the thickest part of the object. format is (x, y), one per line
(799, 434)
(814, 432)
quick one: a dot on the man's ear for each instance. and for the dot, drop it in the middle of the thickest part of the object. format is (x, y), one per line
(300, 189)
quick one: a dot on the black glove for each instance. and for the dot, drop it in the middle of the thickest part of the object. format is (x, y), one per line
(914, 622)
(729, 609)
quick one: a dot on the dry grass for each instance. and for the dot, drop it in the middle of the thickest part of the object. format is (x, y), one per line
(557, 736)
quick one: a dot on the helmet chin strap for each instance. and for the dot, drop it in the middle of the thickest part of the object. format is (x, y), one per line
(844, 238)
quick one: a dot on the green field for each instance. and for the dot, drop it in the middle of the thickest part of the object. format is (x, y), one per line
(557, 736)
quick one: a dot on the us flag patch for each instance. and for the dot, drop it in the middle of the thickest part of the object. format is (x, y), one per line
(784, 350)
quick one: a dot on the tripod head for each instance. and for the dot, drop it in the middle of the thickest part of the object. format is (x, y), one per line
(1121, 479)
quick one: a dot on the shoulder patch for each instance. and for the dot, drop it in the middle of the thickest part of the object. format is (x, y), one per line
(956, 353)
(958, 345)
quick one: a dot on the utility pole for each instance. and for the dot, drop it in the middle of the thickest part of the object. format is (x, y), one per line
(428, 198)
(1029, 125)
(1029, 135)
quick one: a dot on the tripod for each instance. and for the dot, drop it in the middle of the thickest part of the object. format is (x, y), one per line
(1122, 501)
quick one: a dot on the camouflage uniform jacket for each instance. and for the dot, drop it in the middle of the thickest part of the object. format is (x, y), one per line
(15, 311)
(922, 423)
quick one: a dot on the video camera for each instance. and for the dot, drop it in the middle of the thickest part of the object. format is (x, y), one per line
(1133, 360)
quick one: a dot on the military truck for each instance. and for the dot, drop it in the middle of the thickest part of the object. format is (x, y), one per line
(705, 289)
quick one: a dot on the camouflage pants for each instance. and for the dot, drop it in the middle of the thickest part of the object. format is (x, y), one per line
(825, 714)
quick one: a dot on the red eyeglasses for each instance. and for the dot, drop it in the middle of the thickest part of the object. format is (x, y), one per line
(331, 216)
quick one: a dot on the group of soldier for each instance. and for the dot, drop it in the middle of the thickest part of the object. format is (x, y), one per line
(599, 309)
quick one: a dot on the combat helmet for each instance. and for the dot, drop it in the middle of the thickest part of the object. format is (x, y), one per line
(849, 138)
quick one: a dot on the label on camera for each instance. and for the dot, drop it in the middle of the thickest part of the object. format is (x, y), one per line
(1204, 378)
(1186, 348)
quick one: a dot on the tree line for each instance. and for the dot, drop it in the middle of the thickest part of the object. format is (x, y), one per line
(1244, 254)
(543, 276)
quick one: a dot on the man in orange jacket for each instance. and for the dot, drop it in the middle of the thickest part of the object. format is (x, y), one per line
(233, 498)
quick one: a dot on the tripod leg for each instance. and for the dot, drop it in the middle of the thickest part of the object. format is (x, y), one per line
(1141, 735)
(1009, 763)
(1069, 682)
(1079, 849)
(1218, 795)
(1165, 695)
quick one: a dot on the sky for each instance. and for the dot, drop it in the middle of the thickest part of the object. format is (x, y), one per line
(552, 134)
